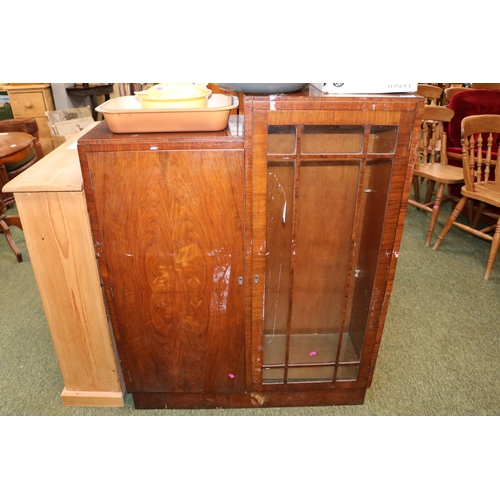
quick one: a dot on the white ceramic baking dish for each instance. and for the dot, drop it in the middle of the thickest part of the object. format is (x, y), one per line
(125, 115)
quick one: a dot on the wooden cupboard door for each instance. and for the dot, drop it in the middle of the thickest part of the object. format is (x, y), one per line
(171, 232)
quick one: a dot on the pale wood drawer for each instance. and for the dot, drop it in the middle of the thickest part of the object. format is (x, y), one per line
(28, 104)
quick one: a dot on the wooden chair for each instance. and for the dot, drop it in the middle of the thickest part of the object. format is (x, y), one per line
(480, 139)
(450, 92)
(432, 165)
(14, 147)
(470, 103)
(490, 86)
(432, 93)
(35, 153)
(5, 222)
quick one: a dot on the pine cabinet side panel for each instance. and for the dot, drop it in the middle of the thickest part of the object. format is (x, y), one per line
(59, 241)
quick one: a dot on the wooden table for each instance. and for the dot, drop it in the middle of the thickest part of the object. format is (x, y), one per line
(90, 90)
(14, 146)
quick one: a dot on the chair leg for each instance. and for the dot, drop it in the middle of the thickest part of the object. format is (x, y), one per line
(12, 220)
(470, 212)
(451, 219)
(493, 251)
(430, 191)
(478, 214)
(4, 228)
(416, 189)
(435, 212)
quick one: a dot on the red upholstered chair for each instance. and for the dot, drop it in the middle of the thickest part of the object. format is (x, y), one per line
(472, 102)
(469, 103)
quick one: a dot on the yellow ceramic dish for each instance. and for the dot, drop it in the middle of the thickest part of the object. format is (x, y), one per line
(174, 95)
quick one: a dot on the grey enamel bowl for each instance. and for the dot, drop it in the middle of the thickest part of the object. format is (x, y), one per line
(261, 88)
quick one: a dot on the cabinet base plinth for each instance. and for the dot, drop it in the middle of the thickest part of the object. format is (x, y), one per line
(92, 398)
(153, 400)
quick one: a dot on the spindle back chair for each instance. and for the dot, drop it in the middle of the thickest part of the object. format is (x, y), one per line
(480, 147)
(432, 165)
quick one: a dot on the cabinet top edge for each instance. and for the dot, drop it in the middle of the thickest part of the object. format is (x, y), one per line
(232, 135)
(311, 91)
(28, 86)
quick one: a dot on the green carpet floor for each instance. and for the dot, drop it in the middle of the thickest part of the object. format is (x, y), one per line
(440, 352)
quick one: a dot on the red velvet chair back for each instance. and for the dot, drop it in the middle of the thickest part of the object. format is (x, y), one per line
(472, 102)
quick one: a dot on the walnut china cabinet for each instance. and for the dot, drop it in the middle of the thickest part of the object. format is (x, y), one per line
(253, 266)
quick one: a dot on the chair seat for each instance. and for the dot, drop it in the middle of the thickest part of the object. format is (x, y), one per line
(440, 173)
(489, 193)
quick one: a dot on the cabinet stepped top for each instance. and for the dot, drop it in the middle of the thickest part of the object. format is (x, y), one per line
(233, 135)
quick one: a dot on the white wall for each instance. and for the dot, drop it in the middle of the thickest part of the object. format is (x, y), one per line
(63, 101)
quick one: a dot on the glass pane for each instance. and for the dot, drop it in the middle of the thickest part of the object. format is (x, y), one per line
(274, 349)
(279, 219)
(310, 374)
(382, 139)
(313, 348)
(281, 139)
(332, 138)
(347, 372)
(372, 213)
(326, 204)
(347, 351)
(273, 375)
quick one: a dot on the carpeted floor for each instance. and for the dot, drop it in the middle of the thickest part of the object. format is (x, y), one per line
(440, 350)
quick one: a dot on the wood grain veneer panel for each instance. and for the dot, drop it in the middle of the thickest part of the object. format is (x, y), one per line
(171, 224)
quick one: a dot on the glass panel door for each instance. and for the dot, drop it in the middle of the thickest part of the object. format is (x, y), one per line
(325, 203)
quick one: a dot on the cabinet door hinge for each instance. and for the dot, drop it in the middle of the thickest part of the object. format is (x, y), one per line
(91, 181)
(112, 291)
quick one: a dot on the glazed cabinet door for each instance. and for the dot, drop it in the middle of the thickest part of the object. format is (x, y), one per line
(171, 237)
(327, 194)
